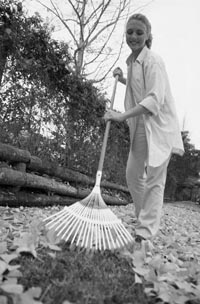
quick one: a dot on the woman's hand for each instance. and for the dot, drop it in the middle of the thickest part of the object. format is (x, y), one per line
(114, 116)
(118, 72)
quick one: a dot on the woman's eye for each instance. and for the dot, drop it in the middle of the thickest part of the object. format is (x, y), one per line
(129, 32)
(139, 33)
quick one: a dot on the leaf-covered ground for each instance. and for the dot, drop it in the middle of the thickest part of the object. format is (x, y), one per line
(34, 269)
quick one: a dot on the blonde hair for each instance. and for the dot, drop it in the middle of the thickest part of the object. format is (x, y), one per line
(146, 22)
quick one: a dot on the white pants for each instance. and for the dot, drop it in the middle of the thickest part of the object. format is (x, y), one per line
(146, 185)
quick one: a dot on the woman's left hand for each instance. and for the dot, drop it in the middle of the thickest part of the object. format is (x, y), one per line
(114, 116)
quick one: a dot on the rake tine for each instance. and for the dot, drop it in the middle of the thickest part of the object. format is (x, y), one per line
(55, 222)
(81, 232)
(111, 237)
(56, 214)
(68, 217)
(84, 234)
(73, 224)
(120, 230)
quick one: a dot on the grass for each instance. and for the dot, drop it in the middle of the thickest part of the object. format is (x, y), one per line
(99, 278)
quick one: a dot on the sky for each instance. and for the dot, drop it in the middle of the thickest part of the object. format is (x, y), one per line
(176, 38)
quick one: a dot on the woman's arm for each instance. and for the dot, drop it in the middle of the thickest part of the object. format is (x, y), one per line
(119, 117)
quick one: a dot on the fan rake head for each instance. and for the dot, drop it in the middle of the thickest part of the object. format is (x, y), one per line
(90, 224)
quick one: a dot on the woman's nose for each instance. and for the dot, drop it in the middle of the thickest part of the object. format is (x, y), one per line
(133, 35)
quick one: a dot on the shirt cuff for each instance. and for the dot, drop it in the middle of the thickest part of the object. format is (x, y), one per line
(151, 105)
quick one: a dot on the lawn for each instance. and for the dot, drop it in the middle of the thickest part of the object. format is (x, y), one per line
(35, 269)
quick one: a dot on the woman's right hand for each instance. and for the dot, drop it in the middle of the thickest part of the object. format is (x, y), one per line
(118, 72)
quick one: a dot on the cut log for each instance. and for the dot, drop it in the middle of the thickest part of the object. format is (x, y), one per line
(12, 154)
(15, 178)
(110, 200)
(33, 163)
(20, 167)
(23, 198)
(11, 177)
(26, 199)
(53, 169)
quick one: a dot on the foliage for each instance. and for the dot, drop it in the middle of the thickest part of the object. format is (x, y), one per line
(182, 167)
(10, 13)
(117, 153)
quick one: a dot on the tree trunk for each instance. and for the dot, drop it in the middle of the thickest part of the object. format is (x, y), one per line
(3, 58)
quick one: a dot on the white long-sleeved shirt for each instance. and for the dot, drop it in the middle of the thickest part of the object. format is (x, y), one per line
(148, 85)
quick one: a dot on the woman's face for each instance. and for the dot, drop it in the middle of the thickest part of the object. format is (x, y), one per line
(136, 35)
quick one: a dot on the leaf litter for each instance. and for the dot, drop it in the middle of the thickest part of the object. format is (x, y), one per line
(166, 270)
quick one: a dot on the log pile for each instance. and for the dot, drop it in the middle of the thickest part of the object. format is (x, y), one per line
(30, 181)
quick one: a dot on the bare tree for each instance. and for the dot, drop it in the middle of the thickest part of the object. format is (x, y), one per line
(90, 25)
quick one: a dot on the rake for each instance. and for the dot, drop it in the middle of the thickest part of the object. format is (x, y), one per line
(89, 223)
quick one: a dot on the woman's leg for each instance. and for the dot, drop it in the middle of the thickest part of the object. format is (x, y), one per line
(150, 214)
(135, 170)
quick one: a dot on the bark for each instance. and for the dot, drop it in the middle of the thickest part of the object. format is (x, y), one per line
(27, 199)
(3, 58)
(12, 154)
(12, 178)
(110, 200)
(35, 164)
(52, 169)
(23, 198)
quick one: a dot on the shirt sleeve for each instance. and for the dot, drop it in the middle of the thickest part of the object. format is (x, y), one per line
(155, 88)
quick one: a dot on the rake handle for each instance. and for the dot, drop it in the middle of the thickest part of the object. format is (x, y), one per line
(106, 134)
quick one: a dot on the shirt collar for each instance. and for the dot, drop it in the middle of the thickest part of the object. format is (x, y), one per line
(140, 57)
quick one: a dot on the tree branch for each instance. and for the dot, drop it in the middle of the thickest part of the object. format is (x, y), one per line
(61, 19)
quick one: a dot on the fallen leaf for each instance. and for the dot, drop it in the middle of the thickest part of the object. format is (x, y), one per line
(8, 257)
(24, 298)
(138, 258)
(12, 288)
(54, 247)
(14, 274)
(138, 280)
(34, 292)
(26, 243)
(52, 254)
(141, 271)
(3, 300)
(3, 247)
(3, 267)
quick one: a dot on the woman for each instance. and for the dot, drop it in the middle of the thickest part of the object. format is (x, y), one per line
(153, 125)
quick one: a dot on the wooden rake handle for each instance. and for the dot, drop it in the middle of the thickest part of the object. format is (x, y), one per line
(105, 139)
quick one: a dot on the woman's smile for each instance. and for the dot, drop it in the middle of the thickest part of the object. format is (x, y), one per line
(136, 35)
